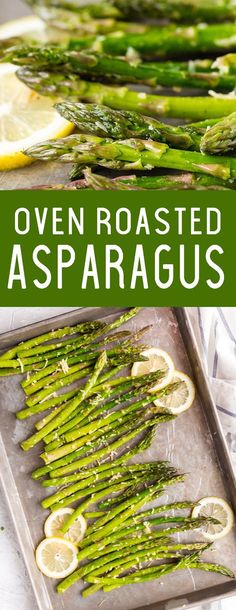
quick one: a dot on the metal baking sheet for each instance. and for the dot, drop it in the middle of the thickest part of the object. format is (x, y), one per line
(193, 443)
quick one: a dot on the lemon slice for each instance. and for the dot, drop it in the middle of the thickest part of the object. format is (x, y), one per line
(56, 557)
(180, 399)
(56, 520)
(219, 509)
(157, 360)
(25, 119)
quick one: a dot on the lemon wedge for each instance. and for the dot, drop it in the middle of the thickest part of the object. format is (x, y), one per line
(158, 359)
(218, 509)
(181, 398)
(56, 557)
(25, 119)
(56, 520)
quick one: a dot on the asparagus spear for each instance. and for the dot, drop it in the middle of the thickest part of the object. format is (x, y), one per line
(147, 513)
(107, 466)
(89, 412)
(95, 423)
(130, 561)
(183, 10)
(118, 566)
(39, 375)
(104, 451)
(178, 182)
(104, 390)
(76, 444)
(221, 138)
(83, 13)
(104, 122)
(106, 562)
(121, 98)
(63, 381)
(169, 182)
(59, 419)
(101, 555)
(124, 154)
(93, 446)
(146, 574)
(165, 41)
(94, 19)
(115, 518)
(169, 74)
(112, 531)
(74, 492)
(143, 445)
(83, 477)
(83, 327)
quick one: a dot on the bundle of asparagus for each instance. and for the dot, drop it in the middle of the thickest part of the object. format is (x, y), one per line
(110, 42)
(90, 433)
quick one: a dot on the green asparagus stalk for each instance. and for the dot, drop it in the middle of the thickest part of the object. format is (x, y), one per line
(116, 571)
(125, 153)
(106, 562)
(83, 20)
(73, 15)
(105, 451)
(138, 447)
(104, 122)
(103, 554)
(93, 446)
(165, 41)
(64, 379)
(92, 423)
(71, 87)
(76, 444)
(80, 342)
(134, 559)
(35, 377)
(111, 465)
(112, 538)
(92, 494)
(221, 138)
(185, 10)
(62, 382)
(60, 372)
(104, 390)
(147, 574)
(148, 513)
(115, 519)
(111, 529)
(97, 423)
(131, 561)
(135, 183)
(97, 474)
(148, 540)
(59, 419)
(169, 182)
(126, 482)
(169, 74)
(47, 375)
(83, 327)
(138, 385)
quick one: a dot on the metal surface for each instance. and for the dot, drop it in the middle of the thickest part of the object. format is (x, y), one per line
(194, 443)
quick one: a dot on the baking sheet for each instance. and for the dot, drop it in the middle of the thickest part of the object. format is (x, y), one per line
(188, 442)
